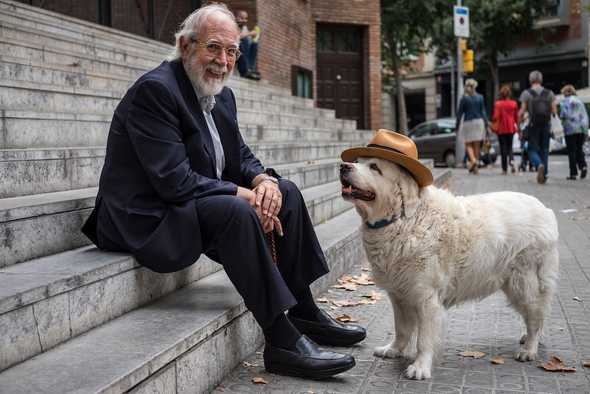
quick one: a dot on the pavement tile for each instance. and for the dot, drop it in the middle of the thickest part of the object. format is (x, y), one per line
(490, 326)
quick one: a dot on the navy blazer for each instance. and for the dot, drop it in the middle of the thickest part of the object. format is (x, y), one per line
(159, 159)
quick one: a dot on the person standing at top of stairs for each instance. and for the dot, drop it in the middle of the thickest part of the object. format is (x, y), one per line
(179, 180)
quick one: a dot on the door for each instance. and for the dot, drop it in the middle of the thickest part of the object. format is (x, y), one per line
(340, 71)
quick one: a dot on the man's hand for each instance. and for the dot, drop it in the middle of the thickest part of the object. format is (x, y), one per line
(247, 195)
(268, 199)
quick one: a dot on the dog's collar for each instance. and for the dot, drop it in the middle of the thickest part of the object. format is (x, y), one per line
(382, 223)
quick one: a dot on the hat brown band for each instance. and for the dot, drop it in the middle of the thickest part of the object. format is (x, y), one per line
(386, 147)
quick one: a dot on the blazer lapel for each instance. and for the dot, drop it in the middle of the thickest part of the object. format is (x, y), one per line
(190, 97)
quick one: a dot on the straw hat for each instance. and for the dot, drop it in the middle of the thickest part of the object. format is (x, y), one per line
(395, 147)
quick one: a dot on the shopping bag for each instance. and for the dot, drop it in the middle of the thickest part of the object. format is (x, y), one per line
(556, 127)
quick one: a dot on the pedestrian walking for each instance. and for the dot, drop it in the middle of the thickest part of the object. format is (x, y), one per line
(505, 124)
(472, 122)
(575, 127)
(540, 104)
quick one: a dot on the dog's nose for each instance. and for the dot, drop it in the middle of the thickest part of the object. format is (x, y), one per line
(345, 168)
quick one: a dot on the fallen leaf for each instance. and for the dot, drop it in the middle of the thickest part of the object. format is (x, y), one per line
(346, 286)
(569, 210)
(577, 299)
(367, 302)
(498, 360)
(344, 279)
(334, 308)
(375, 295)
(474, 354)
(366, 269)
(346, 319)
(322, 300)
(586, 364)
(247, 364)
(555, 364)
(259, 380)
(341, 303)
(363, 280)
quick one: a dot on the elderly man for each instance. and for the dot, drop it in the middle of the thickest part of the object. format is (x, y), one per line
(178, 180)
(540, 104)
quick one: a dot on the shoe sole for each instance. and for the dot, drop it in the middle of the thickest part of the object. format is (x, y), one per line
(333, 341)
(303, 373)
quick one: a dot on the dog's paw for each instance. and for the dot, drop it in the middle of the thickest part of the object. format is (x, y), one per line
(525, 355)
(523, 339)
(418, 371)
(387, 351)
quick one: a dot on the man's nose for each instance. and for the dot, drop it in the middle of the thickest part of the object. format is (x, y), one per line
(345, 168)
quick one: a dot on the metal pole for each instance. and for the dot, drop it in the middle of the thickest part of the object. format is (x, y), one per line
(459, 144)
(452, 87)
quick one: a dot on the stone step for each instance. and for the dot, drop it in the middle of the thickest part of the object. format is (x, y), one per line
(37, 75)
(28, 129)
(178, 333)
(49, 301)
(41, 224)
(34, 171)
(20, 29)
(80, 29)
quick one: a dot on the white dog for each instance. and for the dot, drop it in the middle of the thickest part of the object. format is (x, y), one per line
(431, 250)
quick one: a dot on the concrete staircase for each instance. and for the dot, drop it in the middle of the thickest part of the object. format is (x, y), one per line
(76, 319)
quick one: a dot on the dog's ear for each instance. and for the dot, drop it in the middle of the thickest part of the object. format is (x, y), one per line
(410, 193)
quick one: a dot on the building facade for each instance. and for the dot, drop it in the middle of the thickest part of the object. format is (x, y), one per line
(328, 50)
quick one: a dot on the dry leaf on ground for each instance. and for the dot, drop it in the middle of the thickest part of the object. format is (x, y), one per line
(259, 380)
(345, 278)
(555, 364)
(498, 360)
(333, 307)
(375, 295)
(346, 286)
(367, 302)
(322, 300)
(366, 269)
(346, 319)
(474, 354)
(363, 280)
(586, 364)
(341, 303)
(577, 299)
(247, 364)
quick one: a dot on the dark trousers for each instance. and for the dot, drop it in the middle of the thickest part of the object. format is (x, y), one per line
(232, 235)
(575, 153)
(247, 62)
(505, 141)
(539, 146)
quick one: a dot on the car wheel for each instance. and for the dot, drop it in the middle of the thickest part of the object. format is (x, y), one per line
(450, 159)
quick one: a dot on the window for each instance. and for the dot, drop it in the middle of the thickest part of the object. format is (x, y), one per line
(302, 82)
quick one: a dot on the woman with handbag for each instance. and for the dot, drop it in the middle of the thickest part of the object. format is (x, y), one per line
(575, 127)
(505, 124)
(472, 122)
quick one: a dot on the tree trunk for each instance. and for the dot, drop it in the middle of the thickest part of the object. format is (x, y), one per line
(493, 66)
(399, 88)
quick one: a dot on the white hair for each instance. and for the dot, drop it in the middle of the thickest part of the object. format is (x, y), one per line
(535, 76)
(195, 22)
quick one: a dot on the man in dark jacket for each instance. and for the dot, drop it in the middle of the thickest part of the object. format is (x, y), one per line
(178, 181)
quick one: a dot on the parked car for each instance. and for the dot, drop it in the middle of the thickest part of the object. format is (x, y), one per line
(435, 139)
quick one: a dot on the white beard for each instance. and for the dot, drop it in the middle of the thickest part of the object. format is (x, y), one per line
(196, 74)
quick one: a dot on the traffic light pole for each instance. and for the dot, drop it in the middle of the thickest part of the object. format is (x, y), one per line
(459, 144)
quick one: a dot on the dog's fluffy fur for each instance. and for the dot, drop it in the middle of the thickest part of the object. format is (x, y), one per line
(443, 250)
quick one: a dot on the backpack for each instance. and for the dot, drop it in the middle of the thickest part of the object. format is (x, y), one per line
(540, 110)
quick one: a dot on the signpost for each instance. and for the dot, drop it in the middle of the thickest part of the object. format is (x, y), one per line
(461, 27)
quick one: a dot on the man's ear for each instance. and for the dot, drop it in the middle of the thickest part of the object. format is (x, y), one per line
(410, 193)
(184, 43)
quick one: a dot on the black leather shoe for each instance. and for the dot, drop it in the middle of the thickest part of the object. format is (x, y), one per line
(329, 331)
(308, 361)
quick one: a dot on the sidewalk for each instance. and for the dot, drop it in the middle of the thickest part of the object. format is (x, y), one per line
(489, 326)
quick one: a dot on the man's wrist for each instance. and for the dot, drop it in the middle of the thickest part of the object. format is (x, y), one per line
(270, 179)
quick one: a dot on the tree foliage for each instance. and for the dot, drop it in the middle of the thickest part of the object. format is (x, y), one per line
(406, 25)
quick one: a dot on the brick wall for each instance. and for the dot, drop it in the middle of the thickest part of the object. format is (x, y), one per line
(366, 13)
(287, 38)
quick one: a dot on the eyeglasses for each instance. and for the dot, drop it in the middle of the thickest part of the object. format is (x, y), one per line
(215, 48)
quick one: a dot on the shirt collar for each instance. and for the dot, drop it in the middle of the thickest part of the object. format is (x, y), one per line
(206, 102)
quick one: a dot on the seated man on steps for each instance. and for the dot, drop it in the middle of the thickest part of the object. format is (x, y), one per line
(248, 47)
(178, 181)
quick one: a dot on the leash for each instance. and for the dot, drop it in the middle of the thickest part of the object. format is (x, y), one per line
(270, 241)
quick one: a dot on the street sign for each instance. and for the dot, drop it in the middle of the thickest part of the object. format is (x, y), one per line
(461, 21)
